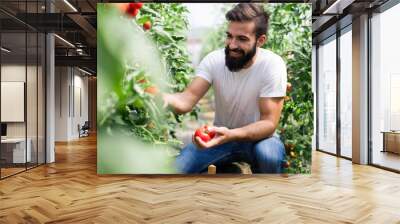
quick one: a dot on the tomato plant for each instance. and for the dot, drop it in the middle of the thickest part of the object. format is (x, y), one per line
(290, 37)
(131, 36)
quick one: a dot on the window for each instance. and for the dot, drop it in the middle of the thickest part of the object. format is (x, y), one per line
(23, 87)
(346, 92)
(385, 89)
(327, 95)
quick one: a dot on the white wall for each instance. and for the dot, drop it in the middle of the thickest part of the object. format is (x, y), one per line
(12, 73)
(70, 83)
(79, 117)
(61, 103)
(33, 126)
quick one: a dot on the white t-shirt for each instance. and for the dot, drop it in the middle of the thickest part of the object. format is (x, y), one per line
(237, 93)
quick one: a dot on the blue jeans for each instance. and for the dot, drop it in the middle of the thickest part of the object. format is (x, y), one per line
(265, 156)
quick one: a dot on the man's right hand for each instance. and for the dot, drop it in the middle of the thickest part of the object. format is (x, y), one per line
(183, 102)
(165, 97)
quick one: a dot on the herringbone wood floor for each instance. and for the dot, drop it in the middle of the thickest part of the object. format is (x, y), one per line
(69, 191)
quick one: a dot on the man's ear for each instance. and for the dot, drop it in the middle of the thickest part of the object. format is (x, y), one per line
(261, 40)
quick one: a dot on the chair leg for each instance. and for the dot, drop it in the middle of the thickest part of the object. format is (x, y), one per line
(212, 169)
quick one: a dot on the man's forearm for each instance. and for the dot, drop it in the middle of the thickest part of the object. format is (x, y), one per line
(255, 131)
(184, 102)
(177, 102)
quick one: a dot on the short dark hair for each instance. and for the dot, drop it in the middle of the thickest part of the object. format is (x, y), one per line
(247, 12)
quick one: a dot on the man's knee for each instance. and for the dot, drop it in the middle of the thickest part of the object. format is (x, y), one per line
(195, 160)
(270, 154)
(186, 161)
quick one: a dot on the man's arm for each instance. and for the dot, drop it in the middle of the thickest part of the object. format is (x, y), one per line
(270, 113)
(184, 102)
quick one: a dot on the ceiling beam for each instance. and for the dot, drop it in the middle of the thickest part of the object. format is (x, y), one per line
(83, 61)
(337, 7)
(86, 26)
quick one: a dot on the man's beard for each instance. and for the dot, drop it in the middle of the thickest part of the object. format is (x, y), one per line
(234, 64)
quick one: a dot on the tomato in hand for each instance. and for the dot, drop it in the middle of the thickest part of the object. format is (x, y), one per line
(204, 133)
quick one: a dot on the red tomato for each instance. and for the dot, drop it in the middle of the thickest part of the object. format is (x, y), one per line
(203, 136)
(289, 87)
(137, 5)
(142, 81)
(147, 25)
(152, 90)
(210, 133)
(286, 164)
(132, 10)
(204, 133)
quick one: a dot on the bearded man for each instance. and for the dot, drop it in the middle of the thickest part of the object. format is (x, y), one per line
(249, 84)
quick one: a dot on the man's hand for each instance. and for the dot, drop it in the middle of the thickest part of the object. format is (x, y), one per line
(223, 135)
(184, 102)
(166, 99)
